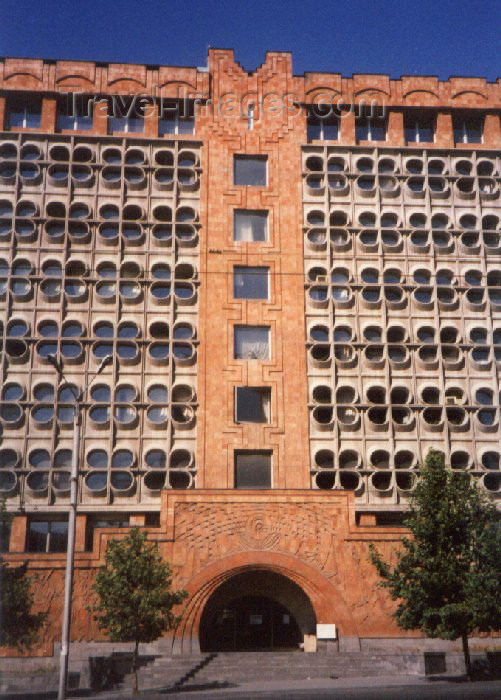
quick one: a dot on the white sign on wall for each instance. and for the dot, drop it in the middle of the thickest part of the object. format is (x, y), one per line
(326, 632)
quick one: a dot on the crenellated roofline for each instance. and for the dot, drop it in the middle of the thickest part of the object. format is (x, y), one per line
(54, 76)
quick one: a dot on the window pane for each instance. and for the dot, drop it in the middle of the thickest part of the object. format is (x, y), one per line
(370, 128)
(252, 343)
(25, 113)
(171, 125)
(378, 132)
(94, 524)
(322, 127)
(473, 134)
(97, 459)
(156, 459)
(58, 536)
(426, 134)
(37, 537)
(313, 132)
(253, 470)
(10, 412)
(12, 392)
(167, 125)
(330, 131)
(122, 459)
(362, 132)
(250, 282)
(468, 127)
(250, 170)
(126, 124)
(410, 134)
(135, 125)
(118, 123)
(250, 226)
(252, 405)
(419, 125)
(40, 459)
(42, 414)
(65, 121)
(125, 414)
(176, 117)
(186, 126)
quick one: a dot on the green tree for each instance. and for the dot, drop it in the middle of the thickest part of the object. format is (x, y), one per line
(5, 525)
(135, 599)
(447, 576)
(19, 627)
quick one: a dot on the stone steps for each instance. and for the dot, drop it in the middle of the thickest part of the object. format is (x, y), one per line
(240, 667)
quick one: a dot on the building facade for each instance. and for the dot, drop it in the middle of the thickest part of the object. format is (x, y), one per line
(297, 279)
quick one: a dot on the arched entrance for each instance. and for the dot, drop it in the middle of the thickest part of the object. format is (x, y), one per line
(256, 610)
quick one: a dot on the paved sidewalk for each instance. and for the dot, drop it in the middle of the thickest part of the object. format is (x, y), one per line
(308, 687)
(408, 687)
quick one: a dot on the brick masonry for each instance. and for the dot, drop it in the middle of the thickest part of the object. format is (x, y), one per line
(213, 532)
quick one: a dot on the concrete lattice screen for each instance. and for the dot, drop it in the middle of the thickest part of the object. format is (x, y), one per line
(403, 305)
(99, 255)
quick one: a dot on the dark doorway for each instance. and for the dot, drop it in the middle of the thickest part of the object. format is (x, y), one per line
(254, 610)
(250, 623)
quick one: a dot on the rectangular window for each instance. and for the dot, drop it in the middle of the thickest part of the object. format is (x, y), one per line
(252, 404)
(24, 112)
(250, 170)
(176, 117)
(104, 523)
(419, 126)
(152, 519)
(252, 343)
(47, 536)
(253, 470)
(250, 282)
(126, 115)
(468, 127)
(75, 112)
(126, 125)
(371, 128)
(250, 226)
(322, 128)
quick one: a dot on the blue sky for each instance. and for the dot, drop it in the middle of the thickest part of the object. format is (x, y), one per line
(424, 37)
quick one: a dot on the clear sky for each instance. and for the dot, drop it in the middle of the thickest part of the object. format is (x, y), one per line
(424, 37)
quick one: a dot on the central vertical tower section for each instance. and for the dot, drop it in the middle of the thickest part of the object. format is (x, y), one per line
(253, 390)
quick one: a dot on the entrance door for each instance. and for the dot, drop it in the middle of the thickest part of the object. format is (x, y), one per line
(252, 623)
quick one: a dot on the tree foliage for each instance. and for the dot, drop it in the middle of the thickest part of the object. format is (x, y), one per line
(19, 627)
(135, 599)
(447, 577)
(5, 525)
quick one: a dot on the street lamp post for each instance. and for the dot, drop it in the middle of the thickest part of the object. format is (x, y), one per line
(70, 552)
